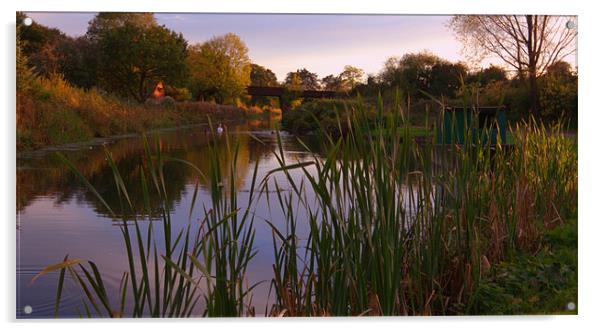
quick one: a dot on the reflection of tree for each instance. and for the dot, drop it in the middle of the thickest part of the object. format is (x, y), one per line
(46, 175)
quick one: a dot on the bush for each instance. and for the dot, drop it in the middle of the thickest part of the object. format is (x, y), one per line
(533, 284)
(178, 94)
(64, 126)
(316, 115)
(558, 97)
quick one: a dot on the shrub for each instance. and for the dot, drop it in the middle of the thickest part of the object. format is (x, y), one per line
(317, 115)
(558, 97)
(178, 94)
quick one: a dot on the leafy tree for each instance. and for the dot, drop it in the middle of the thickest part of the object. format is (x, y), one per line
(133, 57)
(560, 69)
(372, 87)
(107, 21)
(332, 83)
(302, 79)
(350, 77)
(446, 78)
(25, 76)
(558, 92)
(485, 76)
(42, 46)
(261, 76)
(422, 71)
(528, 43)
(220, 68)
(79, 64)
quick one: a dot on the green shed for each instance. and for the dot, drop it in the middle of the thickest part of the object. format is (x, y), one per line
(482, 122)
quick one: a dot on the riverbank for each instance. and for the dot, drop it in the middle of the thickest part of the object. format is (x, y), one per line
(52, 112)
(541, 283)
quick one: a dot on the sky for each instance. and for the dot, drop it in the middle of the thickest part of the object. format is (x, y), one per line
(323, 44)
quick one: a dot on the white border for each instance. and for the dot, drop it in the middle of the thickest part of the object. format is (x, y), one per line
(590, 88)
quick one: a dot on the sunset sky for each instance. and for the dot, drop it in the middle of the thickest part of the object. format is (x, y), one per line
(322, 43)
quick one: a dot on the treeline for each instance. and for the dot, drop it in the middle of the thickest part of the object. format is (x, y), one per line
(125, 55)
(424, 76)
(75, 89)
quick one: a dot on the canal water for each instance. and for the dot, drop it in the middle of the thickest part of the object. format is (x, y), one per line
(57, 215)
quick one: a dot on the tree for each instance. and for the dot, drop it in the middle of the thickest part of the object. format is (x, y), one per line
(219, 68)
(261, 76)
(350, 77)
(560, 69)
(527, 43)
(446, 78)
(424, 71)
(302, 79)
(42, 46)
(107, 21)
(133, 57)
(485, 76)
(332, 83)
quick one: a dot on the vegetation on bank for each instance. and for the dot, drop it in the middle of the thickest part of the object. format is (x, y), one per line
(50, 111)
(541, 283)
(395, 228)
(73, 89)
(318, 116)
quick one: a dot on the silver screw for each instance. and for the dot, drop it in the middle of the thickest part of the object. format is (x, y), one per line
(571, 25)
(571, 306)
(27, 309)
(27, 21)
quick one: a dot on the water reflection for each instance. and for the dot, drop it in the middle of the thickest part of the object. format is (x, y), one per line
(43, 174)
(57, 215)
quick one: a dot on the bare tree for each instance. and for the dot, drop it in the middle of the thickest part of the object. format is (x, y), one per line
(528, 43)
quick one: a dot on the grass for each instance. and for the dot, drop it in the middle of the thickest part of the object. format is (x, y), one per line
(533, 284)
(167, 272)
(398, 229)
(395, 228)
(50, 111)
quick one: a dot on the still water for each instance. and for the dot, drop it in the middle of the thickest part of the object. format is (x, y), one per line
(57, 215)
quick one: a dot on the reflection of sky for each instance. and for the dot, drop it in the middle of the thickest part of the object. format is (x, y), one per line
(53, 224)
(321, 43)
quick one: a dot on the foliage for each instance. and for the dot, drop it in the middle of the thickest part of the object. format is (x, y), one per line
(219, 68)
(25, 75)
(488, 75)
(178, 94)
(350, 77)
(302, 80)
(395, 228)
(399, 228)
(558, 96)
(533, 284)
(423, 71)
(528, 43)
(345, 81)
(106, 21)
(261, 76)
(133, 58)
(332, 83)
(317, 116)
(51, 111)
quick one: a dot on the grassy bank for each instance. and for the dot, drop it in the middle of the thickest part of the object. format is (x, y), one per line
(51, 112)
(395, 228)
(542, 283)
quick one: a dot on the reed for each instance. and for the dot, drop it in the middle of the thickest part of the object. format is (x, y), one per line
(170, 272)
(396, 226)
(401, 228)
